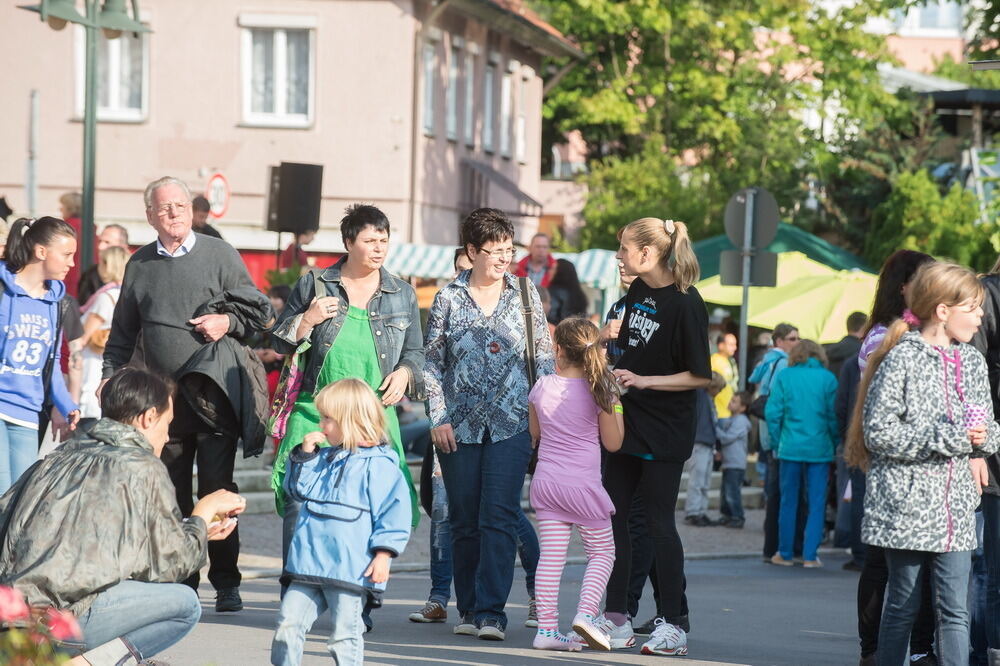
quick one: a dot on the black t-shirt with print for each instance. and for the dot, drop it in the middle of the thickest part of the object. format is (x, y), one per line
(664, 332)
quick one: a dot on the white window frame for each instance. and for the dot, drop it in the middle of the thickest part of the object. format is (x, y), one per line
(451, 94)
(279, 23)
(111, 114)
(506, 111)
(489, 106)
(469, 124)
(428, 69)
(521, 127)
(910, 25)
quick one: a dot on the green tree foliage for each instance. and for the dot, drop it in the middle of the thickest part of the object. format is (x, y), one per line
(963, 72)
(916, 216)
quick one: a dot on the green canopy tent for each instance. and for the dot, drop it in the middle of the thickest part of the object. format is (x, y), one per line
(788, 239)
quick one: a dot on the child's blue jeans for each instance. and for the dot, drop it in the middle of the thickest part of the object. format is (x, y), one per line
(300, 607)
(732, 493)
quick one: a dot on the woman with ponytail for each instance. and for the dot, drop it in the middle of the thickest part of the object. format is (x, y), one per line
(570, 415)
(923, 410)
(664, 360)
(37, 257)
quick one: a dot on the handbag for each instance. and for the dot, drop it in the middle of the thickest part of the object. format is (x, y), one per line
(529, 353)
(290, 380)
(98, 340)
(759, 404)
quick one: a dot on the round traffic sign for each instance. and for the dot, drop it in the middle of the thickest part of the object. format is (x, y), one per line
(217, 192)
(765, 219)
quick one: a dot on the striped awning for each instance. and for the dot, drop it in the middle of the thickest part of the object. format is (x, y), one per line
(596, 268)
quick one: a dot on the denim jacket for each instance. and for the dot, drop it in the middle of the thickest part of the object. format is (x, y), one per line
(392, 312)
(476, 370)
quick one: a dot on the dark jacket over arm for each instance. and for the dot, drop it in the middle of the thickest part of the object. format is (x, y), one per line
(987, 341)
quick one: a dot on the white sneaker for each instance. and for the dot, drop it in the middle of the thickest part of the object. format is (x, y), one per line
(667, 639)
(592, 635)
(619, 638)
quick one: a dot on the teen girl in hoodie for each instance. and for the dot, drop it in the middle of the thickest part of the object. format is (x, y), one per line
(38, 255)
(923, 410)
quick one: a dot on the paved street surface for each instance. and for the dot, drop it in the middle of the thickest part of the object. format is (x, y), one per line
(742, 612)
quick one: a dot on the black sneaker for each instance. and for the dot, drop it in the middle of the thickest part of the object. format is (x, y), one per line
(926, 660)
(491, 629)
(646, 628)
(681, 621)
(228, 600)
(735, 523)
(704, 521)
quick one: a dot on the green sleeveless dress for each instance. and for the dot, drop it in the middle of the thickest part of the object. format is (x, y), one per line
(353, 354)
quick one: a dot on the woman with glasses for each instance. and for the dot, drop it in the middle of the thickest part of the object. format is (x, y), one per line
(477, 389)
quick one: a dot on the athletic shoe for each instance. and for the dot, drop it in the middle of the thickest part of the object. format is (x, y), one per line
(667, 639)
(432, 611)
(924, 660)
(532, 620)
(647, 627)
(780, 561)
(557, 642)
(227, 600)
(466, 625)
(621, 637)
(491, 629)
(593, 636)
(735, 523)
(812, 564)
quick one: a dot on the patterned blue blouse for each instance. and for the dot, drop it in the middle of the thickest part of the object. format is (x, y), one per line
(476, 371)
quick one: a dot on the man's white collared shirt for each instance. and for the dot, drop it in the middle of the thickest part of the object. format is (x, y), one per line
(185, 247)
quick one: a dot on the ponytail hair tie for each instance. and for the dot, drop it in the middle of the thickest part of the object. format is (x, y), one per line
(910, 318)
(27, 225)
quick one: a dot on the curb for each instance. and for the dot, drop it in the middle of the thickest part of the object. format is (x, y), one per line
(415, 567)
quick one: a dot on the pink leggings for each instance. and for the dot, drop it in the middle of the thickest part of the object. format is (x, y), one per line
(554, 538)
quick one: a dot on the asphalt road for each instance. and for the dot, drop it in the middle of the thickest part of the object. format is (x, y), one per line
(742, 612)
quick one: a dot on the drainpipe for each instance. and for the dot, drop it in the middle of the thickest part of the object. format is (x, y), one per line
(436, 10)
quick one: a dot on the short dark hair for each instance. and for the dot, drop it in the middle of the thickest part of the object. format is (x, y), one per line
(745, 398)
(282, 291)
(132, 392)
(782, 331)
(485, 225)
(200, 203)
(359, 216)
(856, 321)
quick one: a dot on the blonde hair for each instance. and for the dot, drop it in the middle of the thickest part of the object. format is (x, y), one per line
(112, 265)
(933, 284)
(73, 202)
(356, 409)
(580, 343)
(805, 350)
(671, 241)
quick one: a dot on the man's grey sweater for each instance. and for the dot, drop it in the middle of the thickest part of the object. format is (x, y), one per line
(159, 296)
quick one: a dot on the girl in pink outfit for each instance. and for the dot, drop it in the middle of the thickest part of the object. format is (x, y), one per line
(570, 414)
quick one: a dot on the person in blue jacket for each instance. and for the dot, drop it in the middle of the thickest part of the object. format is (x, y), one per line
(354, 518)
(802, 423)
(38, 255)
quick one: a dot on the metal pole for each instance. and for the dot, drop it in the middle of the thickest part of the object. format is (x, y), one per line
(87, 234)
(747, 252)
(31, 178)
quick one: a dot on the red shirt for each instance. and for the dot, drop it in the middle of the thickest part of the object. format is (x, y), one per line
(293, 254)
(522, 269)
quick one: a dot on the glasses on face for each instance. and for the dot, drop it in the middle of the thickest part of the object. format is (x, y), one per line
(165, 209)
(505, 253)
(792, 338)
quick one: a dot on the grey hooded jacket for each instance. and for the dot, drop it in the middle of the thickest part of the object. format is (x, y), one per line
(99, 510)
(920, 493)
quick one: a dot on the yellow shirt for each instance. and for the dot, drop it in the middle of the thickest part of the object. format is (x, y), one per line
(725, 367)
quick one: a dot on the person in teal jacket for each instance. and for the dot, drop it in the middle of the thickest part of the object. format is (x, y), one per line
(802, 423)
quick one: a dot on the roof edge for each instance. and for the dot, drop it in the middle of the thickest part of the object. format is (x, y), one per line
(550, 43)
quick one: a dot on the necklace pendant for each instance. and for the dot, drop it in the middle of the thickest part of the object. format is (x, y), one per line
(494, 347)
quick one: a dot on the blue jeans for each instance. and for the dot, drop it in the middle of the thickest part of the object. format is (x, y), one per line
(18, 451)
(978, 630)
(484, 482)
(950, 580)
(732, 497)
(528, 548)
(815, 476)
(300, 607)
(150, 616)
(991, 557)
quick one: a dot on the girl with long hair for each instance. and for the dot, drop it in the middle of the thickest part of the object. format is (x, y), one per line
(923, 411)
(570, 415)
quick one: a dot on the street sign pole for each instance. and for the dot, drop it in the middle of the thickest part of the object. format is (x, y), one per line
(747, 252)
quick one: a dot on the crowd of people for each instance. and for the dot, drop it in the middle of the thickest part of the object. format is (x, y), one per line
(517, 381)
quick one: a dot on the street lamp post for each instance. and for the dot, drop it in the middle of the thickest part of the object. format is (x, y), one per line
(113, 20)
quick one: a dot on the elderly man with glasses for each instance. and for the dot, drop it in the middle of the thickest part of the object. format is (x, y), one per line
(165, 283)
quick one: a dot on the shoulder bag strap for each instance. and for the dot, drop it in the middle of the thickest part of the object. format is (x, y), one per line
(529, 329)
(56, 343)
(319, 287)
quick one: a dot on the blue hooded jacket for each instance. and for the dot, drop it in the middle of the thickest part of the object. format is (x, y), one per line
(762, 375)
(28, 326)
(801, 418)
(353, 504)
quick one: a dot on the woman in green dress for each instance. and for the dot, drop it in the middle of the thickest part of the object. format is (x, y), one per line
(366, 326)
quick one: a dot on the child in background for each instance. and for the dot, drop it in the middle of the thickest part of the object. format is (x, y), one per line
(733, 433)
(570, 414)
(355, 517)
(699, 465)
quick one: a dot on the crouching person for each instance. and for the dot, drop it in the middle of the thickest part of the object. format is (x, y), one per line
(94, 528)
(355, 518)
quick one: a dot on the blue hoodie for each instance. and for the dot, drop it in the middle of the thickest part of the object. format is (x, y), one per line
(28, 325)
(801, 418)
(353, 504)
(775, 359)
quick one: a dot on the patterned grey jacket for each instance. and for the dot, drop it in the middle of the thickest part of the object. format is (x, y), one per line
(99, 510)
(920, 493)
